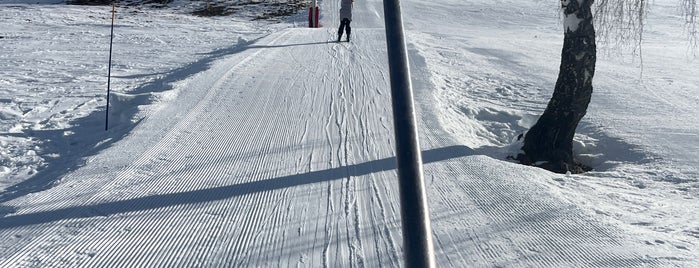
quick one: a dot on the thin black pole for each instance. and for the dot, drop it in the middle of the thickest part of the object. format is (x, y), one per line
(417, 233)
(109, 72)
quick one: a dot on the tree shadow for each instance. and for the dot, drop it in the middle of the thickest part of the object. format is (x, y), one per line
(219, 193)
(600, 152)
(88, 137)
(610, 152)
(164, 83)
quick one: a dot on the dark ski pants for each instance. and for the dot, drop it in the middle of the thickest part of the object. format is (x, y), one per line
(344, 26)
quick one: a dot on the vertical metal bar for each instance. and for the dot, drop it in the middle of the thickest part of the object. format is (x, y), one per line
(109, 72)
(417, 233)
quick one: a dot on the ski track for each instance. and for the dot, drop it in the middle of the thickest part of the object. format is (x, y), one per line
(280, 155)
(217, 144)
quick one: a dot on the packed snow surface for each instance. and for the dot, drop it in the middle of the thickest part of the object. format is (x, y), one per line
(262, 143)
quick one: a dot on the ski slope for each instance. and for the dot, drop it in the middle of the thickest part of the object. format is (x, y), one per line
(279, 152)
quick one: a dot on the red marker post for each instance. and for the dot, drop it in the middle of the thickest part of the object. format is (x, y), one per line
(314, 15)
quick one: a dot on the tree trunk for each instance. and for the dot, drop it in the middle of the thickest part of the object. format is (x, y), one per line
(549, 143)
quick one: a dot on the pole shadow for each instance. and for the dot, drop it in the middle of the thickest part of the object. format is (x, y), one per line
(224, 192)
(89, 138)
(294, 45)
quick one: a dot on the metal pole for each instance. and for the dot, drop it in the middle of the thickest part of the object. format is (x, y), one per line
(109, 72)
(417, 233)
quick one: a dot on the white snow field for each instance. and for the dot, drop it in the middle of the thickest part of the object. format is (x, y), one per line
(252, 143)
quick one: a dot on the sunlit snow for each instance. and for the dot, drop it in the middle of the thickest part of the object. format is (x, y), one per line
(236, 142)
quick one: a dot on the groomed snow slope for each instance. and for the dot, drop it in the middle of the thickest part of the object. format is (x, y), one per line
(280, 154)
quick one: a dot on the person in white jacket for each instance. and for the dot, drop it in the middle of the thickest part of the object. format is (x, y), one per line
(345, 18)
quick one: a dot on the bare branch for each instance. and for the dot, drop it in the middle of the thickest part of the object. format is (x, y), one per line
(620, 23)
(690, 10)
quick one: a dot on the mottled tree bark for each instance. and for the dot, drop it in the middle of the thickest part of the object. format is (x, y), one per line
(549, 142)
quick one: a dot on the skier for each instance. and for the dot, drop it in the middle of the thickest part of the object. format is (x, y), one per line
(345, 18)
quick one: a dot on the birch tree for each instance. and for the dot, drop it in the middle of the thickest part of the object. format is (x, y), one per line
(549, 142)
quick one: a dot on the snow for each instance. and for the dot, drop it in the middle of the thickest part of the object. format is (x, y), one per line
(571, 22)
(247, 143)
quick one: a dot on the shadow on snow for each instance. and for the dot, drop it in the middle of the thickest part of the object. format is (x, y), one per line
(220, 193)
(89, 137)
